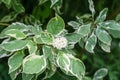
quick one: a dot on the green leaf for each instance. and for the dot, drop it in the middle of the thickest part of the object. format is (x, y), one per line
(80, 19)
(112, 75)
(17, 6)
(102, 15)
(112, 27)
(84, 16)
(50, 71)
(74, 24)
(100, 74)
(53, 2)
(87, 78)
(73, 37)
(91, 7)
(57, 4)
(49, 53)
(77, 68)
(81, 42)
(27, 76)
(14, 74)
(36, 30)
(71, 46)
(104, 47)
(32, 47)
(4, 53)
(114, 33)
(42, 1)
(8, 18)
(38, 39)
(91, 42)
(15, 61)
(17, 25)
(56, 25)
(117, 17)
(44, 38)
(3, 36)
(14, 45)
(7, 2)
(15, 33)
(103, 36)
(34, 64)
(84, 30)
(71, 65)
(63, 61)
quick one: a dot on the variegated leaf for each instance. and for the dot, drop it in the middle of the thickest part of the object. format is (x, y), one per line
(56, 25)
(15, 33)
(100, 74)
(34, 64)
(103, 36)
(102, 15)
(14, 45)
(44, 38)
(15, 61)
(90, 43)
(84, 30)
(32, 47)
(71, 65)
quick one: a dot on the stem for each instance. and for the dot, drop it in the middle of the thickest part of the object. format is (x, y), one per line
(4, 24)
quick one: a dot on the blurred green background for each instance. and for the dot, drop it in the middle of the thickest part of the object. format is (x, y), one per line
(35, 13)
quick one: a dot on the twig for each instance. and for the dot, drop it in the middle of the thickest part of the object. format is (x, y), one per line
(4, 24)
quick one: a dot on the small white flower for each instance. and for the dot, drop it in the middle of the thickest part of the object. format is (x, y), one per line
(60, 42)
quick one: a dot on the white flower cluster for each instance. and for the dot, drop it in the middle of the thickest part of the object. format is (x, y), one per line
(60, 42)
